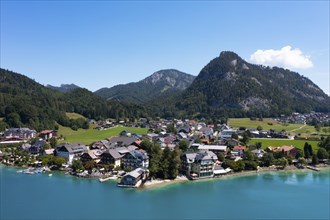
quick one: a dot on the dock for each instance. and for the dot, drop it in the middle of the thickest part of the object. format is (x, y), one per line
(108, 178)
(312, 168)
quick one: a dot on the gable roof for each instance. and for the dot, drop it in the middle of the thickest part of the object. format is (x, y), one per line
(72, 148)
(135, 173)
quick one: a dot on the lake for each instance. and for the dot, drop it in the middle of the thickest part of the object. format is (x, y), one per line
(278, 195)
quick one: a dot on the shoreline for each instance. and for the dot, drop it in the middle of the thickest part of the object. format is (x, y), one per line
(159, 183)
(156, 184)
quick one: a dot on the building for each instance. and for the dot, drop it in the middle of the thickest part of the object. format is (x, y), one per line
(136, 158)
(37, 147)
(47, 134)
(287, 150)
(112, 156)
(134, 178)
(22, 133)
(198, 165)
(70, 151)
(91, 155)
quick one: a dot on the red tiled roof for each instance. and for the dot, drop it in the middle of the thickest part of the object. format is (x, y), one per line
(239, 147)
(46, 131)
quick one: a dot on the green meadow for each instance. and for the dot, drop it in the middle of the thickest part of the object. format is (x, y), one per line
(268, 123)
(88, 136)
(280, 142)
(73, 115)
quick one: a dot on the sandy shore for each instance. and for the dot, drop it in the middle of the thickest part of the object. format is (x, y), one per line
(161, 183)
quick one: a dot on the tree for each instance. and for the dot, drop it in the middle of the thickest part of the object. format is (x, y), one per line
(155, 161)
(221, 157)
(248, 155)
(322, 153)
(258, 145)
(282, 162)
(246, 137)
(267, 159)
(308, 150)
(315, 160)
(299, 154)
(234, 136)
(53, 142)
(183, 145)
(174, 163)
(171, 128)
(146, 145)
(77, 165)
(259, 128)
(165, 163)
(90, 165)
(302, 161)
(58, 161)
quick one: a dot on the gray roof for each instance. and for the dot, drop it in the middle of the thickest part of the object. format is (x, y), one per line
(135, 173)
(212, 147)
(114, 153)
(73, 148)
(125, 141)
(206, 155)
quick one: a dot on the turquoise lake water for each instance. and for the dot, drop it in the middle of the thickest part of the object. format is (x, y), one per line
(282, 195)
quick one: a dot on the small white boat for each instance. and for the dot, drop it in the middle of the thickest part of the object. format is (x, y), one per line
(50, 174)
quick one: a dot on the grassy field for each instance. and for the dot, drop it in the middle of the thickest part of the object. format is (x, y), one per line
(73, 115)
(268, 123)
(279, 142)
(89, 136)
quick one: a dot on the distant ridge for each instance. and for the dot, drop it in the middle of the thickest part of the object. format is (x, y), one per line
(64, 87)
(160, 83)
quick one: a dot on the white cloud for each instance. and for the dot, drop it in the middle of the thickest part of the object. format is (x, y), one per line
(285, 57)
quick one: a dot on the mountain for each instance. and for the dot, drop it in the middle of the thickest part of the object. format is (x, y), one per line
(63, 87)
(230, 86)
(161, 83)
(26, 103)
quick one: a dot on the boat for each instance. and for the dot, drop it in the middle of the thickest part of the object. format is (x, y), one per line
(50, 174)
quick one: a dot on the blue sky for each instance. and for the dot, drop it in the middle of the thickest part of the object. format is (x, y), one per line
(104, 43)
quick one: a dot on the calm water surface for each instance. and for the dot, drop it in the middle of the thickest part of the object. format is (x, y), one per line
(286, 195)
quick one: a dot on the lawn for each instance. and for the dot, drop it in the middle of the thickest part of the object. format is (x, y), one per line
(279, 142)
(89, 136)
(268, 123)
(73, 115)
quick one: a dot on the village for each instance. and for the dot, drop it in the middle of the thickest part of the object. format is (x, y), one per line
(205, 151)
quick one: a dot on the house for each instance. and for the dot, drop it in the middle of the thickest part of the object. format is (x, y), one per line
(134, 178)
(37, 147)
(239, 149)
(135, 159)
(22, 133)
(203, 166)
(214, 148)
(187, 159)
(258, 152)
(112, 156)
(102, 145)
(70, 151)
(227, 133)
(198, 165)
(122, 141)
(287, 150)
(47, 134)
(91, 155)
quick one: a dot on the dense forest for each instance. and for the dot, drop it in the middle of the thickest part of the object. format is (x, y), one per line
(26, 103)
(227, 86)
(230, 87)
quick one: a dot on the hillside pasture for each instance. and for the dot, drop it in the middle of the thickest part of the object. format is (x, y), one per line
(72, 115)
(88, 136)
(281, 142)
